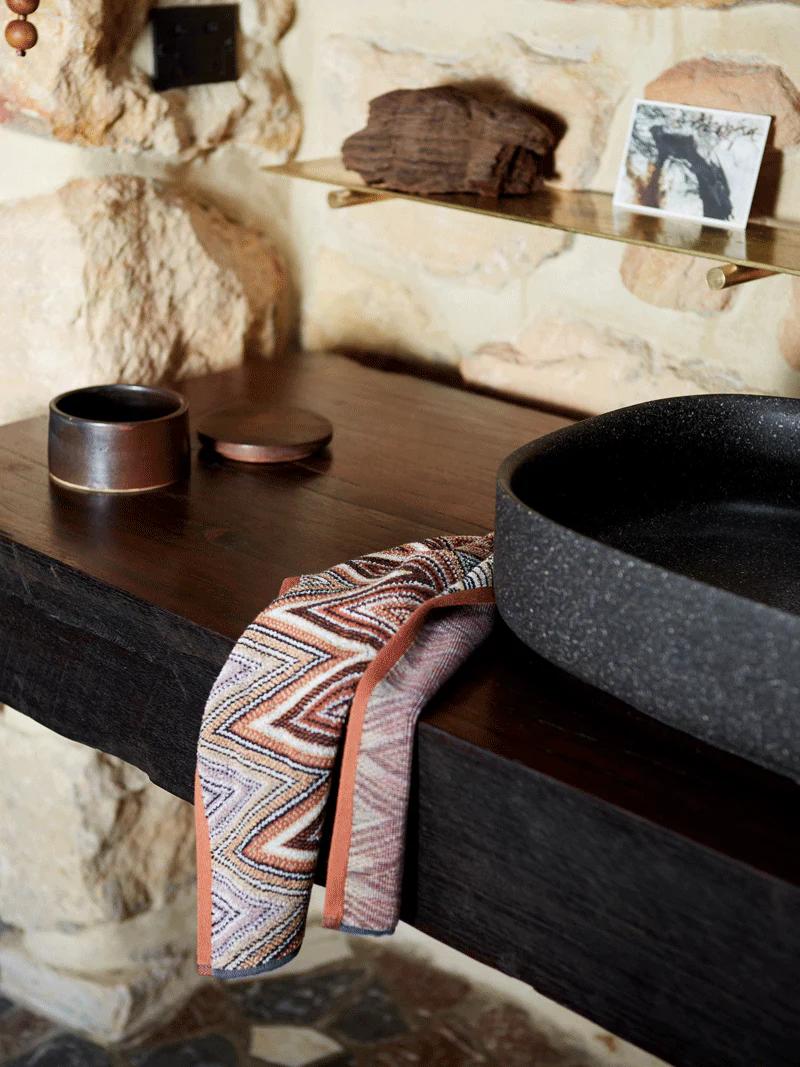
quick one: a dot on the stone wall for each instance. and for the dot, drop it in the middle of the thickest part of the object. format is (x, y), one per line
(96, 886)
(574, 321)
(115, 271)
(87, 83)
(578, 322)
(122, 279)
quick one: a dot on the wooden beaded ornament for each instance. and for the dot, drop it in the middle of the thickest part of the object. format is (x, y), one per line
(20, 33)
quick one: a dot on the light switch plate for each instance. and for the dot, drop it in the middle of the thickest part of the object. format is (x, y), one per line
(194, 45)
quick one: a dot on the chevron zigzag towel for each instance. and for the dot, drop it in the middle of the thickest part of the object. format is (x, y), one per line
(364, 645)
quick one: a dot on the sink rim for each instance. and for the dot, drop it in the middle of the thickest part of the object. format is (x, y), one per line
(714, 663)
(511, 465)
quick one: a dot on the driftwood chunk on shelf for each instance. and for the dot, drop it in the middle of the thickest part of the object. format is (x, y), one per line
(447, 140)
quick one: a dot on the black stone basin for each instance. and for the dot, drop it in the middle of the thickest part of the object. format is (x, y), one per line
(655, 552)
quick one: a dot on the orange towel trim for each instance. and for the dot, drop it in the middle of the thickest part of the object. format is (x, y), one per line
(203, 847)
(383, 662)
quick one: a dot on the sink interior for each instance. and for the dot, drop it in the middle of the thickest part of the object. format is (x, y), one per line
(746, 548)
(708, 487)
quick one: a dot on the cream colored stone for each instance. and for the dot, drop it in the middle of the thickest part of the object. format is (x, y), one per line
(85, 841)
(150, 283)
(482, 251)
(357, 309)
(97, 880)
(735, 85)
(292, 1046)
(159, 935)
(789, 336)
(667, 280)
(110, 1008)
(591, 368)
(80, 84)
(681, 3)
(579, 89)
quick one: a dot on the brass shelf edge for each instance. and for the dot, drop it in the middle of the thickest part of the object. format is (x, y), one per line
(338, 198)
(765, 247)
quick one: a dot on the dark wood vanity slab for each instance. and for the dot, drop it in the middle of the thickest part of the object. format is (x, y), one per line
(627, 871)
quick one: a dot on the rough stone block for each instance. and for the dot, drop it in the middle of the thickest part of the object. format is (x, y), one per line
(82, 84)
(354, 308)
(110, 1008)
(734, 85)
(475, 249)
(158, 935)
(120, 279)
(588, 367)
(294, 1046)
(667, 280)
(789, 337)
(99, 844)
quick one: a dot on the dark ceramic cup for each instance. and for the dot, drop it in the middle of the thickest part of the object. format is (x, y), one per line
(118, 438)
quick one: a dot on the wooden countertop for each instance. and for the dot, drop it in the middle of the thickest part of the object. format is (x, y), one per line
(621, 867)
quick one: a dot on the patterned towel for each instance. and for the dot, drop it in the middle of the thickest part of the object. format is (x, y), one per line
(358, 640)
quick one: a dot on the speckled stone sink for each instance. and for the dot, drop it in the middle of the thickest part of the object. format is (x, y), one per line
(655, 552)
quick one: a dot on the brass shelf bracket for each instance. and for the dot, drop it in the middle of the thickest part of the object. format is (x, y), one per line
(733, 274)
(353, 197)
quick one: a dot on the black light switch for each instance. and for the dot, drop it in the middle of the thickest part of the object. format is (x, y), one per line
(194, 45)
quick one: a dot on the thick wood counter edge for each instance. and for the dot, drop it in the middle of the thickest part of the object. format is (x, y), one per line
(627, 872)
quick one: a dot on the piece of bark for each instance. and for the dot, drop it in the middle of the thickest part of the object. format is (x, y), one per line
(445, 140)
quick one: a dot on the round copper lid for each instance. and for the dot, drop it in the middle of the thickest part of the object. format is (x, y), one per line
(252, 433)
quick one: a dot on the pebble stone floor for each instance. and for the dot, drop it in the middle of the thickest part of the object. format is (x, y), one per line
(377, 1008)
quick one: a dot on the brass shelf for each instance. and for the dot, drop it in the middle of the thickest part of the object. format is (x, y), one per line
(766, 245)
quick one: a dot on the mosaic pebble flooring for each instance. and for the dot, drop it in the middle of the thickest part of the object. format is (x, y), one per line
(378, 1008)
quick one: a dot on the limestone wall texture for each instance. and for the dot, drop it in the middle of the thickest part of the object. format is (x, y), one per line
(570, 320)
(88, 84)
(581, 323)
(96, 885)
(123, 279)
(113, 270)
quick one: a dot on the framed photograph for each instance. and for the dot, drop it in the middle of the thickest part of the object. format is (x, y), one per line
(691, 162)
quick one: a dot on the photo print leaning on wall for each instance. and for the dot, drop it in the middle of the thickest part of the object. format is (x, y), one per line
(691, 162)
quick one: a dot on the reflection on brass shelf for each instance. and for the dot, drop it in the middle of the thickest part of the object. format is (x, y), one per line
(732, 274)
(764, 245)
(354, 197)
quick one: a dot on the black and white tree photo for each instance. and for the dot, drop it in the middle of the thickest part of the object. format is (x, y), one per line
(692, 162)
